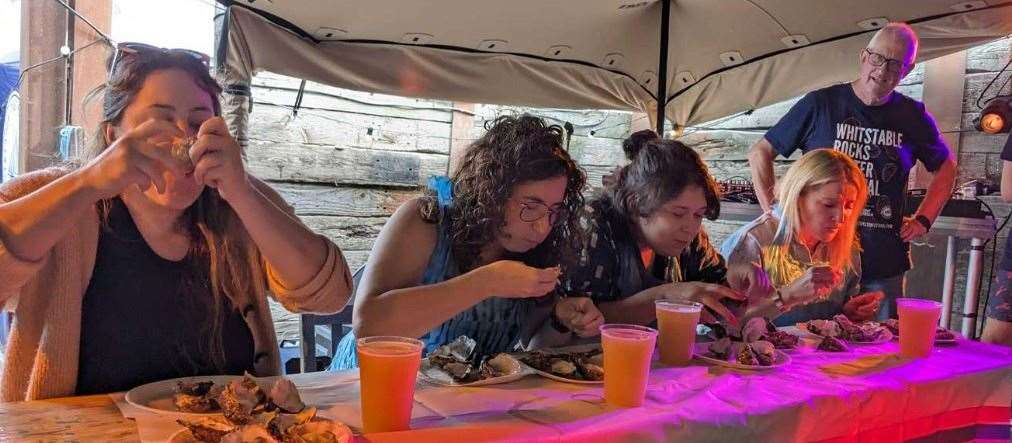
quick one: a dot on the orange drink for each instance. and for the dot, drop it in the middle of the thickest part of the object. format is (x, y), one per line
(387, 367)
(918, 319)
(627, 352)
(676, 330)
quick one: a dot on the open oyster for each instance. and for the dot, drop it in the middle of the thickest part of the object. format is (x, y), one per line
(832, 344)
(318, 431)
(208, 429)
(825, 328)
(196, 397)
(721, 348)
(285, 396)
(764, 352)
(181, 149)
(240, 399)
(753, 330)
(280, 424)
(255, 433)
(562, 367)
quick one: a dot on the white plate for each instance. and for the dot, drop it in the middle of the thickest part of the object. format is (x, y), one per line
(157, 397)
(184, 435)
(803, 328)
(701, 351)
(564, 350)
(437, 376)
(950, 341)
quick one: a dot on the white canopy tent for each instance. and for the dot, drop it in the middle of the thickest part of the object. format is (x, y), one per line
(720, 57)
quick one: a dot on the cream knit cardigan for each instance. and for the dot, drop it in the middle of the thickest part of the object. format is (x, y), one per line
(45, 296)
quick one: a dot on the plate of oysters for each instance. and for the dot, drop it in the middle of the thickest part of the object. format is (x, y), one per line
(252, 412)
(843, 329)
(458, 364)
(582, 364)
(758, 345)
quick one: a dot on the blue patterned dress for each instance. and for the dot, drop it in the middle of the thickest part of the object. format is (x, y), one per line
(495, 323)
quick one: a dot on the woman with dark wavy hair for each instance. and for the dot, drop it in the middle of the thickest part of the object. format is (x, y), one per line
(153, 259)
(478, 253)
(645, 240)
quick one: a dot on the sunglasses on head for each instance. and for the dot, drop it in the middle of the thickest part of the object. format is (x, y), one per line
(129, 49)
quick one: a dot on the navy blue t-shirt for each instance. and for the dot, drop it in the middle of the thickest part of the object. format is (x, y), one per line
(1006, 259)
(885, 141)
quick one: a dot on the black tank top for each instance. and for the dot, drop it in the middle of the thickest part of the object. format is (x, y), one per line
(145, 318)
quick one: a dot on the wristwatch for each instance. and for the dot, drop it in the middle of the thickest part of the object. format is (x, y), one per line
(923, 221)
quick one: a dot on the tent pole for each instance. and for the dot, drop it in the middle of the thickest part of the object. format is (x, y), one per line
(662, 66)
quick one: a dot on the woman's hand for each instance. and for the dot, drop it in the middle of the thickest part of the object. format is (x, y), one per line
(708, 294)
(814, 284)
(863, 307)
(217, 160)
(580, 315)
(139, 157)
(750, 279)
(513, 279)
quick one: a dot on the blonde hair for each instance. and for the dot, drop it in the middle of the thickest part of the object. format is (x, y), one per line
(814, 169)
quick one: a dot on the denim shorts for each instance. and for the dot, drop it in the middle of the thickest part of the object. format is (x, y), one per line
(999, 306)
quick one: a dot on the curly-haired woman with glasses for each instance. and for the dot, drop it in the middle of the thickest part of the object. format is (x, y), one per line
(154, 258)
(478, 253)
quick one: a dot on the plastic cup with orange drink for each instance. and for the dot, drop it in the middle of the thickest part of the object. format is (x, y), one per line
(918, 320)
(676, 330)
(388, 367)
(627, 353)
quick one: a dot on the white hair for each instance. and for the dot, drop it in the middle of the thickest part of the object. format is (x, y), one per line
(902, 32)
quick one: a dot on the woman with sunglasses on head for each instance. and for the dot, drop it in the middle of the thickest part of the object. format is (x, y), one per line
(809, 245)
(149, 261)
(478, 253)
(646, 243)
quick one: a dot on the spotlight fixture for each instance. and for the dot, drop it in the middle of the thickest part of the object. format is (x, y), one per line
(996, 117)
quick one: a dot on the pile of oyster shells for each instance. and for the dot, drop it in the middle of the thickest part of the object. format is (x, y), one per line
(755, 344)
(253, 414)
(458, 359)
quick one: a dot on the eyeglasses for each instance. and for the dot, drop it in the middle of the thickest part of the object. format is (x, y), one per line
(877, 60)
(531, 212)
(127, 49)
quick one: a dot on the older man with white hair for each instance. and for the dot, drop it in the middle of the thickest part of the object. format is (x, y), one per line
(886, 133)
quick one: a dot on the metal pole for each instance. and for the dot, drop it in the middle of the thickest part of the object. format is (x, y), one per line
(972, 286)
(950, 282)
(662, 66)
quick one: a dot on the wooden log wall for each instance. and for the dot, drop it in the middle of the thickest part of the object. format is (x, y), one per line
(349, 159)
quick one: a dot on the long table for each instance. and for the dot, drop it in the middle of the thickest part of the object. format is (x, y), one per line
(960, 393)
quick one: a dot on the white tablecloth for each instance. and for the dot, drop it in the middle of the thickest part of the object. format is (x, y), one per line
(869, 393)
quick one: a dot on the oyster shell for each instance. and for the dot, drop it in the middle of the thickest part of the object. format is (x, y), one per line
(764, 352)
(249, 434)
(317, 431)
(832, 344)
(285, 396)
(207, 429)
(825, 328)
(747, 356)
(721, 348)
(196, 397)
(281, 423)
(591, 371)
(782, 339)
(181, 149)
(563, 367)
(240, 398)
(753, 330)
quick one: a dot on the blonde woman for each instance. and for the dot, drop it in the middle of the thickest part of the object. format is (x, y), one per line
(809, 246)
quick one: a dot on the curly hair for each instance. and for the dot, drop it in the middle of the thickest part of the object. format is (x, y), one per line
(514, 150)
